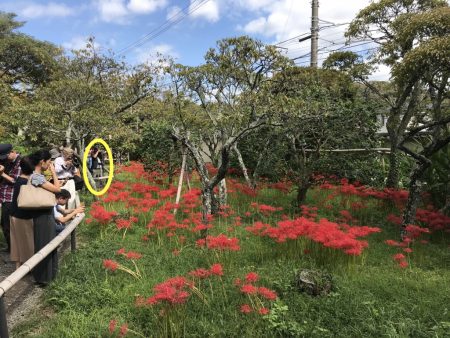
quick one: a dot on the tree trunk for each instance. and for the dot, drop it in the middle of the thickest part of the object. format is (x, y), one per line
(180, 181)
(394, 162)
(242, 165)
(69, 135)
(222, 193)
(303, 187)
(415, 188)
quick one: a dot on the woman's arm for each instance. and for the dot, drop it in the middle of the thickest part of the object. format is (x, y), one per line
(53, 187)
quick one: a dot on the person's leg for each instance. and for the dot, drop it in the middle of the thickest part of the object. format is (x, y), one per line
(6, 212)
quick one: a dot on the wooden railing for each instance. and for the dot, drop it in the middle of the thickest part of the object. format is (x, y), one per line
(26, 267)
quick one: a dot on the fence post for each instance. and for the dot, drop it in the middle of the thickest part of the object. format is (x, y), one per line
(73, 240)
(3, 322)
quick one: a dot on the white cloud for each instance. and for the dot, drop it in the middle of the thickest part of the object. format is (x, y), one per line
(78, 42)
(208, 10)
(120, 11)
(150, 54)
(383, 73)
(173, 13)
(34, 10)
(145, 6)
(112, 10)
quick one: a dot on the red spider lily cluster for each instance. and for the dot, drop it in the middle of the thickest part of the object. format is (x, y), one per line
(172, 291)
(256, 294)
(177, 290)
(220, 242)
(123, 329)
(100, 214)
(129, 255)
(265, 209)
(330, 234)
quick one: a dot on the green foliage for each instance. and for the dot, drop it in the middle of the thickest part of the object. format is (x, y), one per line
(437, 177)
(158, 145)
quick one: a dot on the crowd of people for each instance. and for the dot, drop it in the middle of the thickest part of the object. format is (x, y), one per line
(28, 230)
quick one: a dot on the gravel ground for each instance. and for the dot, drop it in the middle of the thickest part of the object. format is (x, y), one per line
(24, 296)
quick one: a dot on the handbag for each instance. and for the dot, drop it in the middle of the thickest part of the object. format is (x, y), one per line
(31, 197)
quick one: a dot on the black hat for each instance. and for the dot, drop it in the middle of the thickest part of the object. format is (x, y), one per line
(5, 149)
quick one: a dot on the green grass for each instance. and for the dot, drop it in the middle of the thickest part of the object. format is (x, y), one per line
(372, 297)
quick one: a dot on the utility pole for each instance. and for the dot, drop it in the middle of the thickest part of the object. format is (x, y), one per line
(314, 32)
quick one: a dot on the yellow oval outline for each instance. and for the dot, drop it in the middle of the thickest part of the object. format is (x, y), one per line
(111, 167)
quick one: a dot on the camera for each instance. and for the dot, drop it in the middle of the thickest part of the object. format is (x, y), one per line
(76, 161)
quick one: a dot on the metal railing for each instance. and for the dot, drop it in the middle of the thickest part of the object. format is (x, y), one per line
(26, 267)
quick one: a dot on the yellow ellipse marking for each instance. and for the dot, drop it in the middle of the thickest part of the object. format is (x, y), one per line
(111, 167)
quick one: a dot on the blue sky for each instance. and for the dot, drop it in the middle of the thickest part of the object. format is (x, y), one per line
(117, 24)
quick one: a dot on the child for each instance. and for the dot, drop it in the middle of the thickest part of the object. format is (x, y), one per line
(62, 216)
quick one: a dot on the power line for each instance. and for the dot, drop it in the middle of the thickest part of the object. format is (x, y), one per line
(173, 20)
(356, 51)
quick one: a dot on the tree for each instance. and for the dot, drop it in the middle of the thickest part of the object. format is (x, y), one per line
(415, 43)
(320, 110)
(381, 22)
(25, 64)
(91, 97)
(219, 103)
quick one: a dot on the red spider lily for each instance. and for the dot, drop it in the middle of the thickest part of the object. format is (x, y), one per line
(245, 308)
(408, 250)
(220, 242)
(252, 277)
(414, 231)
(171, 291)
(200, 273)
(263, 311)
(100, 214)
(249, 289)
(394, 219)
(403, 264)
(121, 251)
(123, 330)
(329, 234)
(123, 223)
(237, 282)
(112, 326)
(133, 255)
(399, 257)
(216, 269)
(267, 293)
(391, 242)
(109, 264)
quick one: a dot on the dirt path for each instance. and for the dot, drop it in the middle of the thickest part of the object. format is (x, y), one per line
(24, 296)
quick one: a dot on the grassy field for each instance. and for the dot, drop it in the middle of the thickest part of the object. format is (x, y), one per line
(372, 295)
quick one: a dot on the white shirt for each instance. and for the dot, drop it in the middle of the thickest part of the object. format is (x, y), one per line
(61, 170)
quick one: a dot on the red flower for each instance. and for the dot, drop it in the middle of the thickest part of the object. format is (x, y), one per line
(121, 251)
(399, 257)
(267, 293)
(112, 325)
(403, 264)
(123, 330)
(248, 289)
(407, 250)
(200, 273)
(245, 308)
(252, 277)
(216, 269)
(133, 255)
(263, 311)
(109, 264)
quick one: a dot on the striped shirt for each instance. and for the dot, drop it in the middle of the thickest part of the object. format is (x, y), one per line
(6, 187)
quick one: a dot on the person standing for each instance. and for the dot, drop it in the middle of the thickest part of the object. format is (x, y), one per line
(22, 235)
(8, 177)
(43, 220)
(66, 171)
